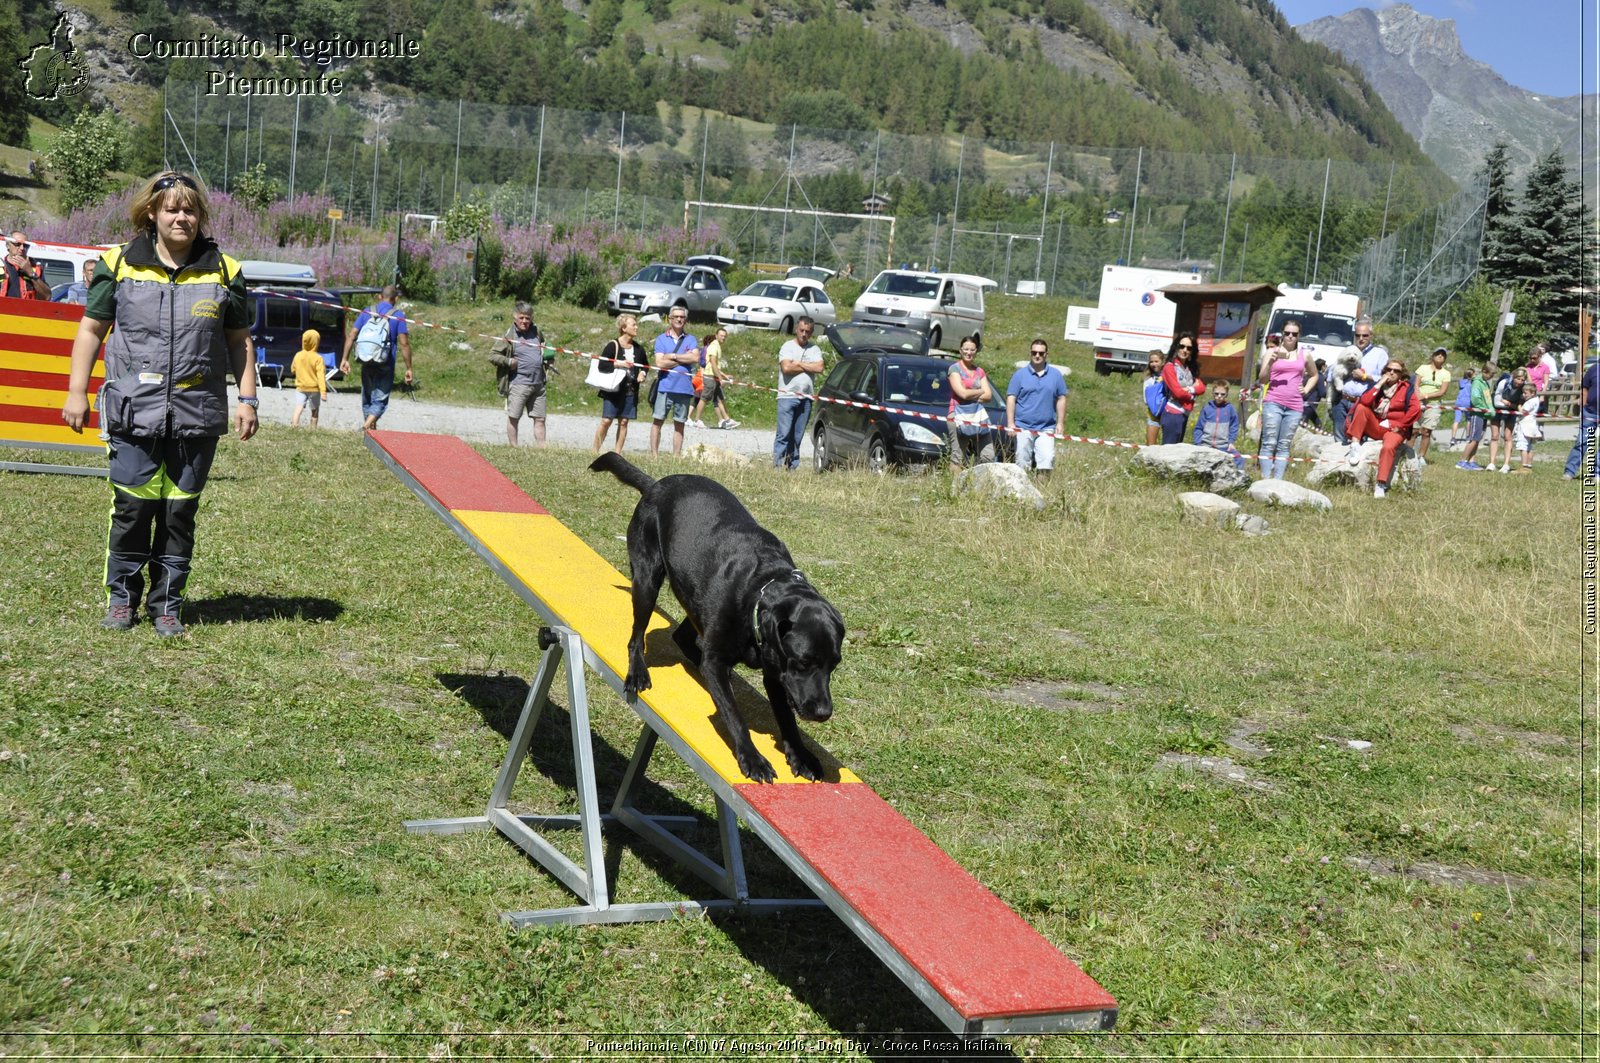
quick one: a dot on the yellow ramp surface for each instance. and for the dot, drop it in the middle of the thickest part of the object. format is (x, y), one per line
(581, 590)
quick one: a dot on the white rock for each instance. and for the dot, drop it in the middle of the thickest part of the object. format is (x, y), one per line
(999, 480)
(1289, 495)
(1203, 507)
(1356, 743)
(711, 455)
(1189, 462)
(1251, 524)
(1331, 466)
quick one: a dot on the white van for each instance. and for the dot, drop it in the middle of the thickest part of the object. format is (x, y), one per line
(1327, 314)
(944, 306)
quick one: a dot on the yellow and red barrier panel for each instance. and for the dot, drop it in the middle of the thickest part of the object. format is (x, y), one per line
(35, 356)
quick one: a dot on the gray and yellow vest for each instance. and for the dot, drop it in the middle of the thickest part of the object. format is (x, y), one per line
(167, 356)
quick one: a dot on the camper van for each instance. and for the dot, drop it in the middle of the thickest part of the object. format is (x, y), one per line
(1327, 316)
(942, 306)
(1133, 317)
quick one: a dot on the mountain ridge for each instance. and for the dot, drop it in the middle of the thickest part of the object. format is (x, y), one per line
(1455, 106)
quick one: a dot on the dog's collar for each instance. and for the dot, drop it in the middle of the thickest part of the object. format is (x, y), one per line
(794, 576)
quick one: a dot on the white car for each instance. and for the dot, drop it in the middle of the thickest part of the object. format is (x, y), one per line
(778, 305)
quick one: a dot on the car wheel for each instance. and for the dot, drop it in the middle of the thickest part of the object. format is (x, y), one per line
(819, 449)
(787, 325)
(877, 456)
(934, 336)
(1102, 368)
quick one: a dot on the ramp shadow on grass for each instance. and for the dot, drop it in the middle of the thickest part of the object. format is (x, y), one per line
(810, 951)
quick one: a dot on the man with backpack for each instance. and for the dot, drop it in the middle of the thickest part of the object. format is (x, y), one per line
(378, 331)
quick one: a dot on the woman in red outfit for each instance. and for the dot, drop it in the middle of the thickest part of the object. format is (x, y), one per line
(1385, 412)
(1181, 375)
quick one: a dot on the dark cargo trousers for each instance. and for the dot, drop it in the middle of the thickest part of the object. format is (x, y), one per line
(155, 484)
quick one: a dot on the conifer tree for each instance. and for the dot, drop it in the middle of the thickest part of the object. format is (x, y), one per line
(1545, 241)
(1499, 217)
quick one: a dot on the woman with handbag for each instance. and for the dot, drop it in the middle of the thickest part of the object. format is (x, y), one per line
(617, 373)
(971, 435)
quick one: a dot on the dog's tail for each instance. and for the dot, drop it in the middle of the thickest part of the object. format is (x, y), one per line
(624, 470)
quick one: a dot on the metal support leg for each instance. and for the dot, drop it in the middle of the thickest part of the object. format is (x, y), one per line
(564, 648)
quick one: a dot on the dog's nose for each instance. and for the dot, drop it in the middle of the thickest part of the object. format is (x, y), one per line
(819, 713)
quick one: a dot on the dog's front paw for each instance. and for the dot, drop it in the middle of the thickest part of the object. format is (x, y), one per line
(635, 682)
(755, 767)
(802, 761)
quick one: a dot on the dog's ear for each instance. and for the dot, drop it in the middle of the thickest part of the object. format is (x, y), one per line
(772, 628)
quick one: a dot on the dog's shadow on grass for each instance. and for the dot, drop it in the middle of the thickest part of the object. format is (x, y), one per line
(254, 608)
(822, 963)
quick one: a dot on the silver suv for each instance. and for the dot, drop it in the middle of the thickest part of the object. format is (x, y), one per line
(697, 285)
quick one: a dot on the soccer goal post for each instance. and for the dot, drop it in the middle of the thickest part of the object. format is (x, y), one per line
(852, 234)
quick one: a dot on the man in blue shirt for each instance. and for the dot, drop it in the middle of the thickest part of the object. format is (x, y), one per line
(1036, 410)
(377, 378)
(676, 353)
(1588, 418)
(78, 290)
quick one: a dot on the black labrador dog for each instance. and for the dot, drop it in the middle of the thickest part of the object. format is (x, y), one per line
(744, 598)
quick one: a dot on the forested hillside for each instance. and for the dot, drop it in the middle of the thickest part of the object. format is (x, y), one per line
(1179, 75)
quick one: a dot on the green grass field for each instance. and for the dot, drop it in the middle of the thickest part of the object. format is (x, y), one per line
(204, 852)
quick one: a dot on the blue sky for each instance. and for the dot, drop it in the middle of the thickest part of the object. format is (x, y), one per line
(1534, 44)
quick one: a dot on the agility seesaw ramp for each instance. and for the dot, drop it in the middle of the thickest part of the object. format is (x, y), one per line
(972, 960)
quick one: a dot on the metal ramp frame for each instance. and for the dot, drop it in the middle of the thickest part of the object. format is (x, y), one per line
(564, 651)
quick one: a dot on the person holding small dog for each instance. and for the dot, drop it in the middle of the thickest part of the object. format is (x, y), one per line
(310, 378)
(617, 374)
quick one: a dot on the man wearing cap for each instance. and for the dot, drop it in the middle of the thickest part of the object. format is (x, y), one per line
(1432, 380)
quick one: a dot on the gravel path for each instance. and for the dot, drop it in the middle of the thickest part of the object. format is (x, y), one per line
(341, 412)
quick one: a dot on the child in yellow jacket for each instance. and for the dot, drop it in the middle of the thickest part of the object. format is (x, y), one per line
(310, 377)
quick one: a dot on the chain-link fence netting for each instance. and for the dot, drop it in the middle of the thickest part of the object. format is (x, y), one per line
(1040, 216)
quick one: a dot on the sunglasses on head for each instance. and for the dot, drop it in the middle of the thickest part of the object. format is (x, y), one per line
(171, 179)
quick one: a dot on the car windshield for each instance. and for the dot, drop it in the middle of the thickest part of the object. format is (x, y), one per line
(1316, 327)
(659, 274)
(769, 290)
(922, 382)
(905, 284)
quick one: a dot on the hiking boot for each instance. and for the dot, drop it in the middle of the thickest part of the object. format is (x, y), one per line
(119, 617)
(168, 626)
